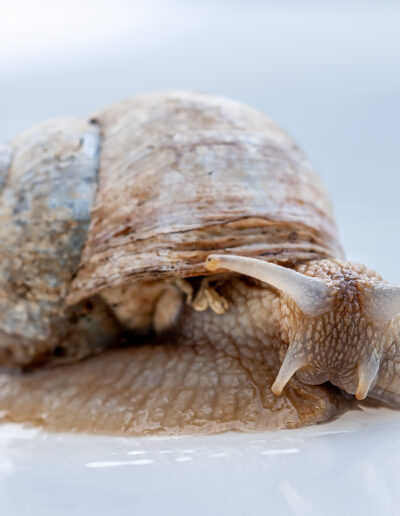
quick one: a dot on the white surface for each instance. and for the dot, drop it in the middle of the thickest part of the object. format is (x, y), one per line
(349, 466)
(328, 72)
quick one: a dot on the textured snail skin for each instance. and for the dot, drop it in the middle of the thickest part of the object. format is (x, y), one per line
(211, 373)
(105, 228)
(347, 343)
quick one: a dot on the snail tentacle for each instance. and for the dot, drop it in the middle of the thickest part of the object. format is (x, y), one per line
(384, 303)
(294, 360)
(367, 374)
(312, 295)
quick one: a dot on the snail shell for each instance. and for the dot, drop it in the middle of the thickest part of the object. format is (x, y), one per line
(48, 179)
(182, 175)
(106, 226)
(224, 177)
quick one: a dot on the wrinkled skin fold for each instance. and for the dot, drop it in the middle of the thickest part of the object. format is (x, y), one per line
(206, 375)
(163, 389)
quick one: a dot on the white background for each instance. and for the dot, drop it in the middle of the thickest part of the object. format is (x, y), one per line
(329, 72)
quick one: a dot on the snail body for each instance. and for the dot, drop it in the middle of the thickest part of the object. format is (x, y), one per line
(193, 226)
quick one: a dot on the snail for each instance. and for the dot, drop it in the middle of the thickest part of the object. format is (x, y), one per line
(172, 265)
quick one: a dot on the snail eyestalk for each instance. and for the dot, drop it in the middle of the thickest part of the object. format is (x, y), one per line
(311, 295)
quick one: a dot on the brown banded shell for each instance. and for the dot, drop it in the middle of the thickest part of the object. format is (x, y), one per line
(182, 175)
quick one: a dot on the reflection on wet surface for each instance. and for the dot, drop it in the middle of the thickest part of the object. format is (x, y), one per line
(349, 465)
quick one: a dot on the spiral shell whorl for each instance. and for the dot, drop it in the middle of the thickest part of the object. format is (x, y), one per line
(48, 180)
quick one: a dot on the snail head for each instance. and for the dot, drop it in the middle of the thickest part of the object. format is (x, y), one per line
(339, 322)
